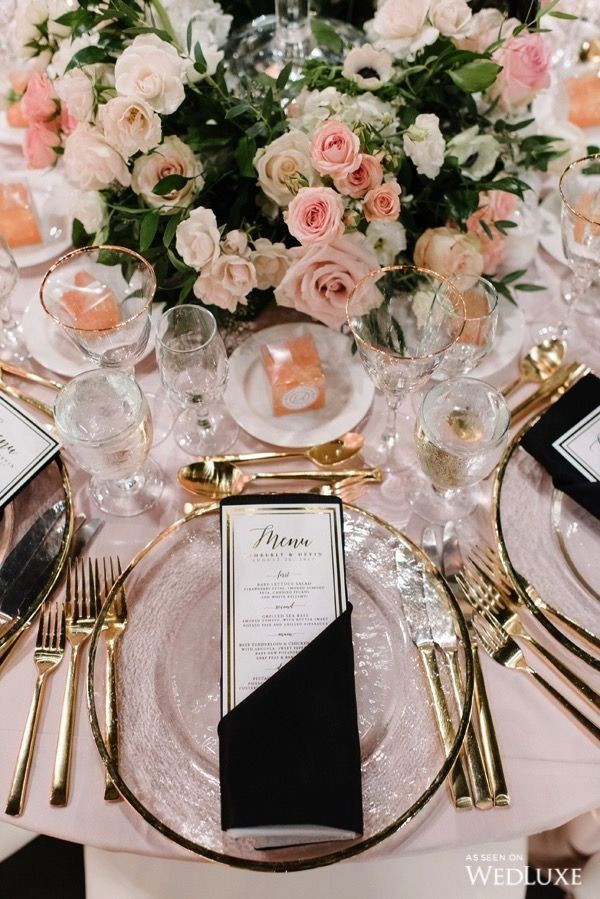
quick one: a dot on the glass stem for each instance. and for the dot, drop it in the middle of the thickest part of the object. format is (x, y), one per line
(203, 418)
(390, 433)
(292, 28)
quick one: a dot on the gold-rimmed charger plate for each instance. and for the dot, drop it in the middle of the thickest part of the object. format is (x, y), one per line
(49, 486)
(169, 697)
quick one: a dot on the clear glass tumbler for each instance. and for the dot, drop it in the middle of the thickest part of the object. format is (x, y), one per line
(481, 321)
(12, 346)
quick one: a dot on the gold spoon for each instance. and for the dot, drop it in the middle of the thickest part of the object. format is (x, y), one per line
(18, 372)
(321, 454)
(215, 480)
(25, 398)
(539, 363)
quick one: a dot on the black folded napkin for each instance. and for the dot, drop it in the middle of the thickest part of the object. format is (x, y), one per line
(566, 441)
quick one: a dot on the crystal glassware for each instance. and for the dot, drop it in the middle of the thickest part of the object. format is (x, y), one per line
(481, 320)
(11, 340)
(402, 336)
(267, 44)
(193, 367)
(461, 432)
(104, 421)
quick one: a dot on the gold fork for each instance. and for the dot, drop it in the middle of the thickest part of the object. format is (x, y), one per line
(49, 650)
(506, 651)
(485, 597)
(114, 625)
(81, 614)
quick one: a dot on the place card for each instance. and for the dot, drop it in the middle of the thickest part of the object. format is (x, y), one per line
(25, 448)
(289, 750)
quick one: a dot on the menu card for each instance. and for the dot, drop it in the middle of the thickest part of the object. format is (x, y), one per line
(25, 448)
(289, 747)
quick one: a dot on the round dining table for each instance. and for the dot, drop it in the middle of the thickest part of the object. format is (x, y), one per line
(552, 765)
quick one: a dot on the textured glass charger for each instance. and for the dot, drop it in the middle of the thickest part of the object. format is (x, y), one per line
(529, 527)
(169, 698)
(48, 487)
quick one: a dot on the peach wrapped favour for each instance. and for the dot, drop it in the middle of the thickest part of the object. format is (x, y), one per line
(18, 219)
(295, 374)
(90, 304)
(584, 96)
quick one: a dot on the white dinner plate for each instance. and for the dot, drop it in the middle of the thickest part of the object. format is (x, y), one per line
(50, 346)
(550, 234)
(51, 194)
(10, 136)
(348, 389)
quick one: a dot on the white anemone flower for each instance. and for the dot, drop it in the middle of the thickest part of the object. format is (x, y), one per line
(368, 67)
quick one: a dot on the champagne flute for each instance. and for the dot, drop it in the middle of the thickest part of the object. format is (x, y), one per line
(11, 341)
(401, 336)
(460, 435)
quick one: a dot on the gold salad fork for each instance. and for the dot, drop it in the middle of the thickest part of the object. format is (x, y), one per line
(49, 650)
(81, 613)
(506, 651)
(495, 604)
(114, 625)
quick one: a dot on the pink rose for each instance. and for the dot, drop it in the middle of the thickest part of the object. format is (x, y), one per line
(227, 282)
(38, 103)
(315, 215)
(335, 149)
(494, 206)
(525, 62)
(321, 279)
(357, 183)
(382, 204)
(449, 251)
(39, 146)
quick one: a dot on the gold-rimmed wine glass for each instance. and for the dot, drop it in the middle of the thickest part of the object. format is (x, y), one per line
(401, 336)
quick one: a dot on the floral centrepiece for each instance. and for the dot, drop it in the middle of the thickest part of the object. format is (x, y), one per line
(416, 149)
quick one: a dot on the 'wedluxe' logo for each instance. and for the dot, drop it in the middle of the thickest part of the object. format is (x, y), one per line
(498, 870)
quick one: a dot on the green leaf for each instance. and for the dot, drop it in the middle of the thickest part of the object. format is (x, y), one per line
(244, 155)
(79, 235)
(188, 36)
(200, 60)
(557, 14)
(169, 183)
(475, 76)
(326, 36)
(487, 229)
(529, 287)
(514, 276)
(239, 109)
(177, 263)
(256, 130)
(87, 56)
(148, 228)
(283, 77)
(171, 229)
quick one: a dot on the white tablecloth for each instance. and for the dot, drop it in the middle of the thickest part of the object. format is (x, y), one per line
(552, 765)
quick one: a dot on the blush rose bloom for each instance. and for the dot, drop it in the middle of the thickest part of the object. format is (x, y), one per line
(382, 204)
(449, 251)
(525, 62)
(271, 261)
(90, 161)
(151, 69)
(450, 17)
(172, 157)
(315, 215)
(40, 145)
(38, 103)
(131, 126)
(280, 164)
(235, 243)
(401, 26)
(494, 206)
(320, 279)
(89, 207)
(76, 89)
(357, 183)
(335, 149)
(198, 239)
(226, 283)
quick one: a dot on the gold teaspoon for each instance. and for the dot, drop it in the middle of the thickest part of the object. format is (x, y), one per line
(322, 454)
(539, 363)
(215, 480)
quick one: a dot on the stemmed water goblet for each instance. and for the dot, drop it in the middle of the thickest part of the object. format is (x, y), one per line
(193, 367)
(401, 336)
(461, 432)
(103, 419)
(11, 341)
(481, 321)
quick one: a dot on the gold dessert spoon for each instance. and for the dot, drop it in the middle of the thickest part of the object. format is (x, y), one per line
(539, 363)
(321, 454)
(215, 480)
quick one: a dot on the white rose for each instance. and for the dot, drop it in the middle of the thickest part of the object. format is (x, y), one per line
(280, 163)
(172, 157)
(235, 243)
(424, 145)
(387, 239)
(90, 162)
(401, 27)
(226, 283)
(89, 207)
(271, 261)
(450, 17)
(151, 70)
(484, 147)
(485, 28)
(30, 16)
(76, 90)
(130, 125)
(198, 238)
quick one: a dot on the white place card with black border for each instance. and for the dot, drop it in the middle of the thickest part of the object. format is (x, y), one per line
(25, 448)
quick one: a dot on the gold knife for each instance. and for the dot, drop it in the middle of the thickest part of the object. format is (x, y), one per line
(550, 391)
